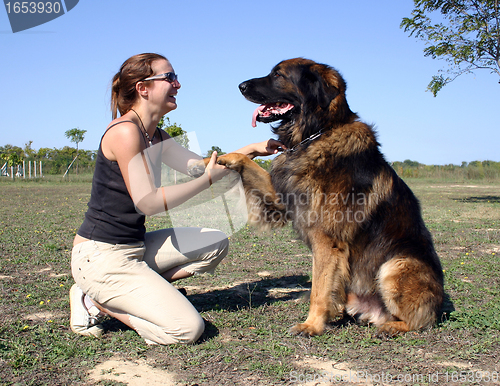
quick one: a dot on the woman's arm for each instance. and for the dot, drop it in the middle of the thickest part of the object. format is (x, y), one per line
(176, 156)
(262, 149)
(127, 148)
(181, 159)
(124, 144)
(151, 200)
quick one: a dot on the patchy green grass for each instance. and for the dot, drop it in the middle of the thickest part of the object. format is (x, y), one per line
(251, 302)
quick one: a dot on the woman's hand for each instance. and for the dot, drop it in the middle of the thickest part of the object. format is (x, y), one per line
(215, 171)
(262, 149)
(269, 147)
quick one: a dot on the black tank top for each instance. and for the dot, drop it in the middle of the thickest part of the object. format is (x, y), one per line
(112, 216)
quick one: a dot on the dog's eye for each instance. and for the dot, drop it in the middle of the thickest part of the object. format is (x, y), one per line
(277, 75)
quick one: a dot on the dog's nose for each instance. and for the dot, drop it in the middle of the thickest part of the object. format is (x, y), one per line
(243, 86)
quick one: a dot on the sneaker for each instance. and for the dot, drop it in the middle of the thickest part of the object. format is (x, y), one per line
(83, 321)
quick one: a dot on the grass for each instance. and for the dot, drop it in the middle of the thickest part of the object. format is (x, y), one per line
(251, 302)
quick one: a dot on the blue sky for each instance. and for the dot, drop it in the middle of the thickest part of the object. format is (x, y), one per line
(57, 76)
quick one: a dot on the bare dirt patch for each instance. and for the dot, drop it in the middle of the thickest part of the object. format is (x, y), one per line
(50, 272)
(131, 373)
(327, 372)
(44, 316)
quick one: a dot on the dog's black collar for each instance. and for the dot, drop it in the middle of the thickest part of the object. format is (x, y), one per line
(309, 139)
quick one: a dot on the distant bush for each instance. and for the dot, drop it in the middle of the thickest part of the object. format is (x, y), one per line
(264, 163)
(475, 170)
(54, 161)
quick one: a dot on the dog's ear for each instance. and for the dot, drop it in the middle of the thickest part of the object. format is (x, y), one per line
(315, 89)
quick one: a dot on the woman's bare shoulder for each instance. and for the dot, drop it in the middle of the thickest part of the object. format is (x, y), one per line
(121, 136)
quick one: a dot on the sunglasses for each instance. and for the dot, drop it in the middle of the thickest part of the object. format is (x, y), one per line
(168, 76)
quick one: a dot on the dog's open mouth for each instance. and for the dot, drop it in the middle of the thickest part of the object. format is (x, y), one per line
(270, 112)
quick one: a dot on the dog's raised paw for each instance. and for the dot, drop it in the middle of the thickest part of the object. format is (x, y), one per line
(223, 161)
(232, 160)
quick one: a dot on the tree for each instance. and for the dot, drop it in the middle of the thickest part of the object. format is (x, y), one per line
(7, 150)
(215, 148)
(75, 135)
(11, 158)
(175, 131)
(11, 155)
(467, 36)
(28, 151)
(410, 163)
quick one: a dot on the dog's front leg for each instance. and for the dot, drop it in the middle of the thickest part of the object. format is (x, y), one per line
(264, 205)
(329, 276)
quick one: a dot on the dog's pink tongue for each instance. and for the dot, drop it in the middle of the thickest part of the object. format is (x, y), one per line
(256, 113)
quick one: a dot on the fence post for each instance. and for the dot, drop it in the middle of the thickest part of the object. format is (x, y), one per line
(12, 172)
(41, 174)
(24, 169)
(29, 168)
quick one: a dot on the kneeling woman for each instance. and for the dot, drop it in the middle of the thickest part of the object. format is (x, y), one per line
(119, 269)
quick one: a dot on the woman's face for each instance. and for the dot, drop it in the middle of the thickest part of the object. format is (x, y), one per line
(162, 92)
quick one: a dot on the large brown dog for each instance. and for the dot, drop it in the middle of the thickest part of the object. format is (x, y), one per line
(373, 257)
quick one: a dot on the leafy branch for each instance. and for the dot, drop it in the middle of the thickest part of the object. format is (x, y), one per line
(467, 36)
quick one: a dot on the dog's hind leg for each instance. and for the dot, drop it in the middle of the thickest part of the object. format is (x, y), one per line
(329, 277)
(411, 292)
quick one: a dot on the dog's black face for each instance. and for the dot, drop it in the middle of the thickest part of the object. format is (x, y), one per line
(294, 87)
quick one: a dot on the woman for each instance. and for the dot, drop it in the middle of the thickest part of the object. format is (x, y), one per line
(119, 269)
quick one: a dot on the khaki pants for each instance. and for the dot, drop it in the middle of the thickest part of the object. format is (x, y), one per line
(127, 278)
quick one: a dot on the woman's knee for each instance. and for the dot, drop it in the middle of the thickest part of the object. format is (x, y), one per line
(187, 332)
(213, 259)
(183, 326)
(194, 331)
(224, 246)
